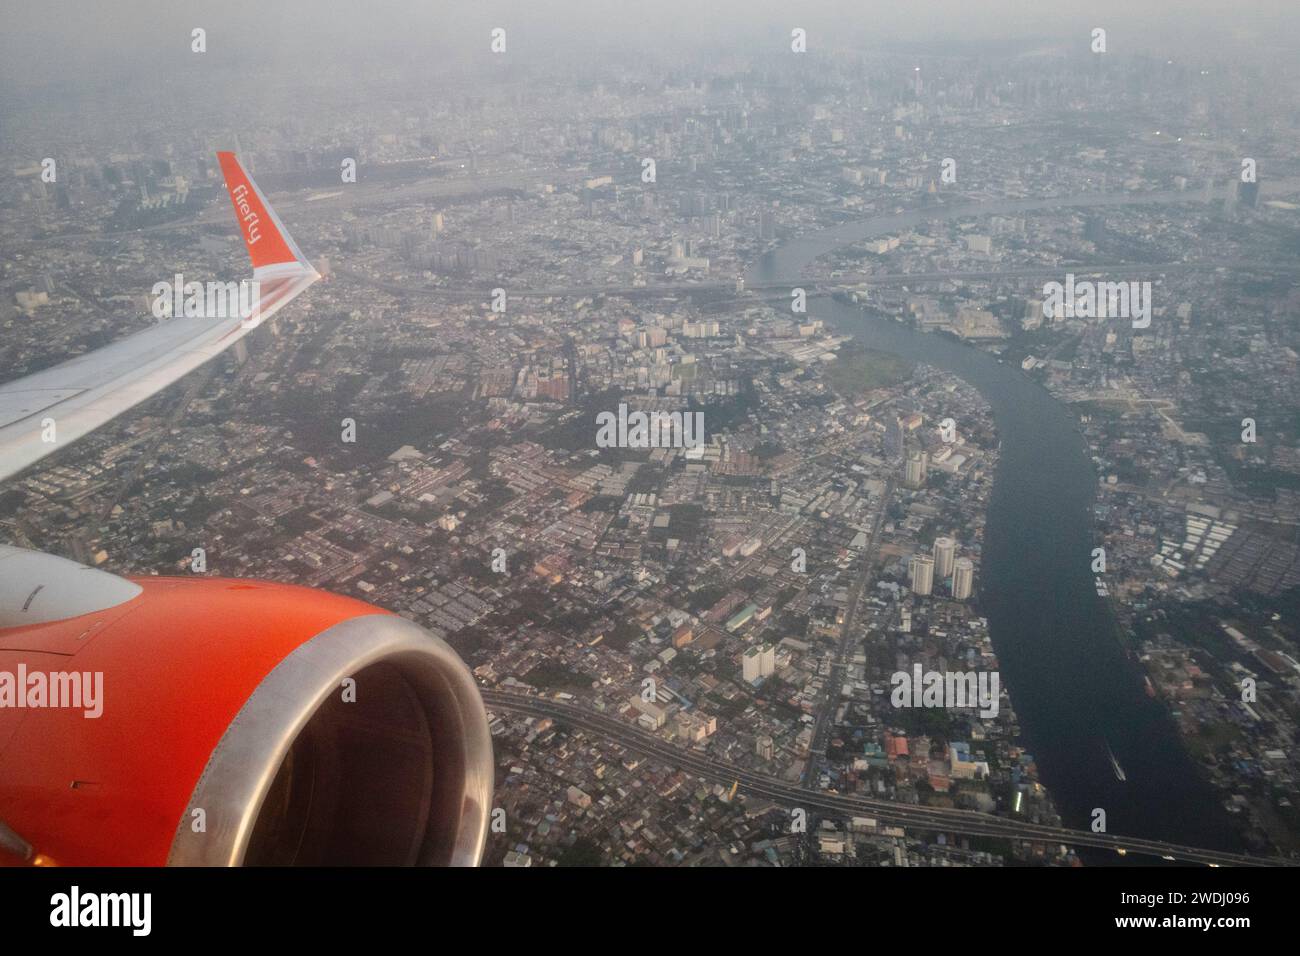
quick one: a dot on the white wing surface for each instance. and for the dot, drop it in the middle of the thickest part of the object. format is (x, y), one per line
(46, 411)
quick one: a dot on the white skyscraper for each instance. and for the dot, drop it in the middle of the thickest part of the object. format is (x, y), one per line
(758, 662)
(945, 551)
(963, 578)
(920, 572)
(917, 463)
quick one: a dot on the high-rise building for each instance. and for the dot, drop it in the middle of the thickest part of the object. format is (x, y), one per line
(945, 551)
(765, 747)
(920, 572)
(963, 578)
(917, 465)
(893, 436)
(758, 662)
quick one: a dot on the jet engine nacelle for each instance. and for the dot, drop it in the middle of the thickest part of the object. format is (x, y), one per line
(240, 723)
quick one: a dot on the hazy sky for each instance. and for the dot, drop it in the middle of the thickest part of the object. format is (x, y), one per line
(69, 44)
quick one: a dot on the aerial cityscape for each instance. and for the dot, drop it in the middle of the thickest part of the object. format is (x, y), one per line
(826, 441)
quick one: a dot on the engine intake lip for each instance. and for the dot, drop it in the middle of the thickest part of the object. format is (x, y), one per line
(234, 785)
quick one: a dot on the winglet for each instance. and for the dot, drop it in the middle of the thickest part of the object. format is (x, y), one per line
(269, 244)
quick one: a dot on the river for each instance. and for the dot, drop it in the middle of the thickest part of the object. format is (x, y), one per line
(1058, 646)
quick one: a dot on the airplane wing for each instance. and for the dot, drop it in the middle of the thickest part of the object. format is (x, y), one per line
(44, 412)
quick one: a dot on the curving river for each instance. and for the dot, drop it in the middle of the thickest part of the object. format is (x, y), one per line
(1069, 679)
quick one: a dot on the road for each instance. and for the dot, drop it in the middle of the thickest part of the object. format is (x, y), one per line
(835, 681)
(888, 812)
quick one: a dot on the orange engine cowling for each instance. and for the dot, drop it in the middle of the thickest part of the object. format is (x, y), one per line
(239, 723)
